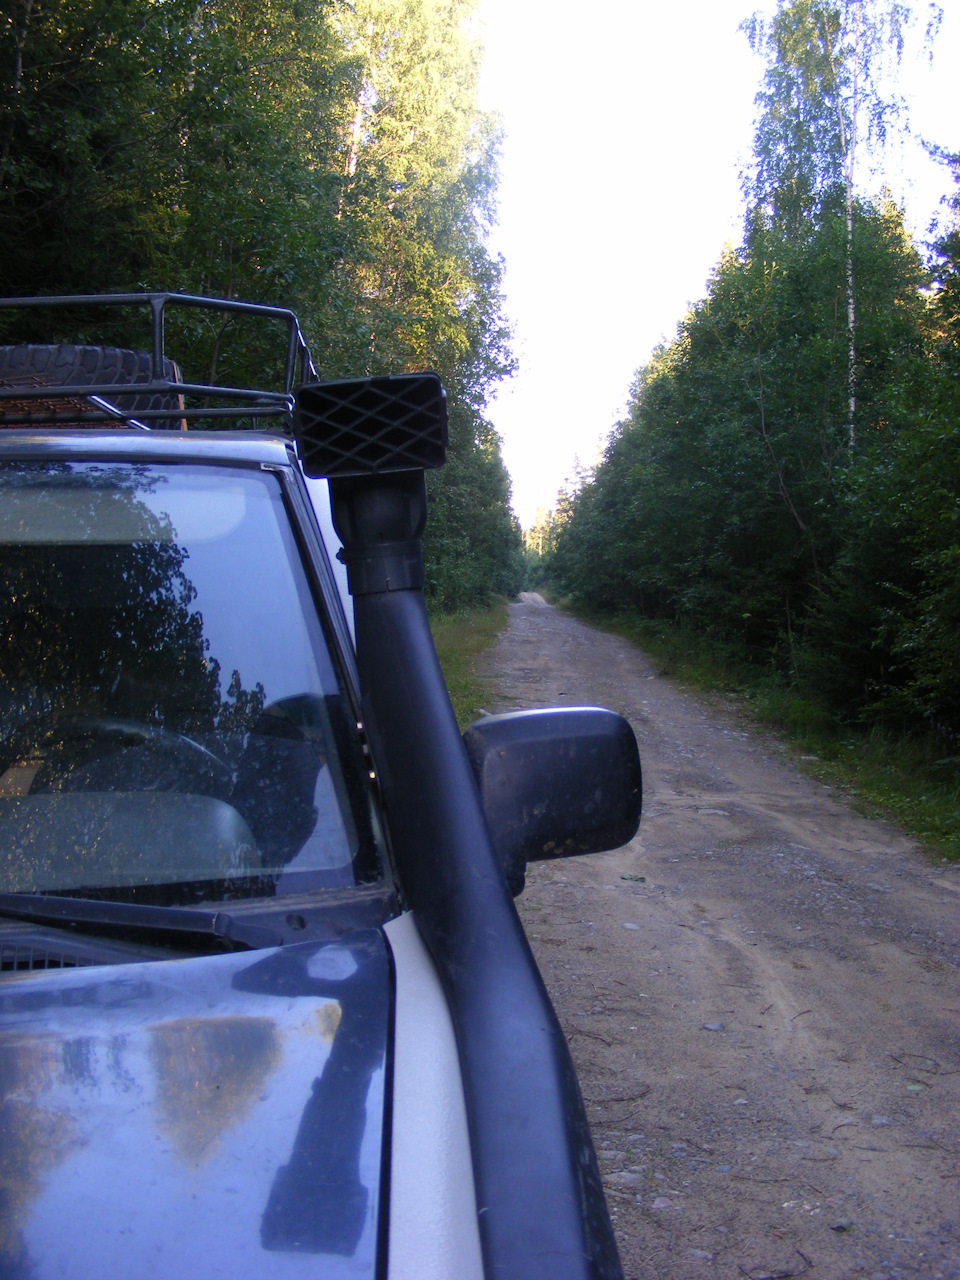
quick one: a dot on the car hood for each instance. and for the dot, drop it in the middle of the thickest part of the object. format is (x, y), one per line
(216, 1116)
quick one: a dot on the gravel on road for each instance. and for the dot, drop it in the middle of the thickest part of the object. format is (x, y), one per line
(760, 993)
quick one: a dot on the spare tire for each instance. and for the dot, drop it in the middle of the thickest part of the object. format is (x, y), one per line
(75, 366)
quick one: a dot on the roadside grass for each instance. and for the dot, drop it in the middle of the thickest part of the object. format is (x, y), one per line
(460, 639)
(915, 781)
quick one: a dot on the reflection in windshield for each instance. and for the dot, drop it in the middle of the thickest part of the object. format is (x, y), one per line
(100, 628)
(158, 639)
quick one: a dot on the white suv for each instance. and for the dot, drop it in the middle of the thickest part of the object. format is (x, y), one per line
(267, 1009)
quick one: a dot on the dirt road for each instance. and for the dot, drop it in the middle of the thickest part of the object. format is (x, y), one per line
(761, 994)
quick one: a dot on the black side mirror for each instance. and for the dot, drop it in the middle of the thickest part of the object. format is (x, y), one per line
(554, 783)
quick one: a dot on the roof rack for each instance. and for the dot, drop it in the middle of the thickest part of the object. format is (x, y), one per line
(32, 401)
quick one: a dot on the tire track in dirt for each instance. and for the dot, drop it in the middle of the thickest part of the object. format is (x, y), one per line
(760, 992)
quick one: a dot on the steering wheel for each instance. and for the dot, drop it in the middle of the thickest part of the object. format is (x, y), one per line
(139, 757)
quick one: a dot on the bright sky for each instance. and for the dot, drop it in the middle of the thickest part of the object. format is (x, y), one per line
(627, 124)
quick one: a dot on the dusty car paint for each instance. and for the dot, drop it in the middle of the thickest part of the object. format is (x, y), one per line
(217, 1116)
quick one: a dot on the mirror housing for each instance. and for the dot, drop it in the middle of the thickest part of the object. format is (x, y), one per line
(554, 783)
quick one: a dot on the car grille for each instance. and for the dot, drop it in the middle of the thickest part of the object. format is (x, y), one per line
(26, 947)
(22, 955)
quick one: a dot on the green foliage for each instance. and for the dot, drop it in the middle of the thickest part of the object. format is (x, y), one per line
(718, 496)
(728, 501)
(778, 488)
(461, 639)
(803, 119)
(327, 157)
(472, 541)
(904, 777)
(827, 91)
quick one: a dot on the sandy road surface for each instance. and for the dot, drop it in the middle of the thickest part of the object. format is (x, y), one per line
(761, 994)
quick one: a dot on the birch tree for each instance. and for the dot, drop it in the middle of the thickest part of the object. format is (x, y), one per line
(828, 95)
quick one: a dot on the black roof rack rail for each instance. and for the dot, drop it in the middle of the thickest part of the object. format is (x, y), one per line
(234, 402)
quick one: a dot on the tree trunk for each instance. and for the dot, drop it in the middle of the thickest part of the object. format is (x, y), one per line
(850, 147)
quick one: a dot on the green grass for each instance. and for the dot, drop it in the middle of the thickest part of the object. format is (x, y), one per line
(460, 639)
(912, 780)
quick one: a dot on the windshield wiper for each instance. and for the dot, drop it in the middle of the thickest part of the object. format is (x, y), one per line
(49, 909)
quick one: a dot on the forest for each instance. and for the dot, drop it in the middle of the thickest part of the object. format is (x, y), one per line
(326, 156)
(787, 478)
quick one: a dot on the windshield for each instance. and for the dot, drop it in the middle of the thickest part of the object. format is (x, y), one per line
(172, 728)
